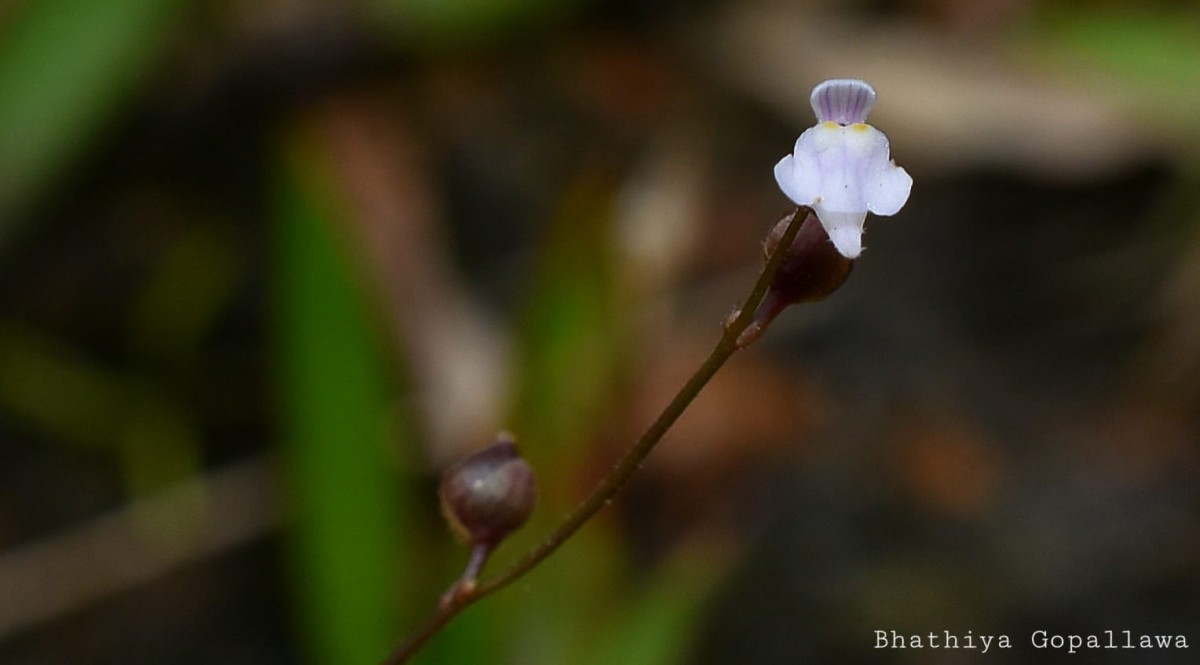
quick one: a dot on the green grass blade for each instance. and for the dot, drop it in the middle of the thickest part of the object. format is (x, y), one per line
(344, 494)
(65, 67)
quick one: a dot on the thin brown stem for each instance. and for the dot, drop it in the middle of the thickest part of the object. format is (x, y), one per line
(458, 599)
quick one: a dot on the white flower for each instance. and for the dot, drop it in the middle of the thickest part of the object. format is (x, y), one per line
(841, 168)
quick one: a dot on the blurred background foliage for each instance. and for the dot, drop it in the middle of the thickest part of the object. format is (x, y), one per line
(266, 268)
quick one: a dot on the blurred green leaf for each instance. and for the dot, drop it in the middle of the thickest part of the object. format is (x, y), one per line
(574, 353)
(572, 345)
(161, 447)
(65, 67)
(1148, 58)
(159, 442)
(438, 24)
(191, 287)
(657, 625)
(476, 636)
(335, 414)
(51, 386)
(1159, 48)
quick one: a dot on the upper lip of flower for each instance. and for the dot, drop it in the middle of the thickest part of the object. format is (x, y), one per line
(844, 101)
(841, 167)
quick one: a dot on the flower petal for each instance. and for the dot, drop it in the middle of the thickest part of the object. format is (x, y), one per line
(845, 229)
(842, 167)
(840, 158)
(885, 186)
(888, 193)
(798, 176)
(844, 101)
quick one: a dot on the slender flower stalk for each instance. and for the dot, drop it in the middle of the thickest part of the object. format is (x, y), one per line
(838, 171)
(462, 595)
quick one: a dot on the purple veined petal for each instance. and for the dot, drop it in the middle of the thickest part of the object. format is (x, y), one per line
(844, 101)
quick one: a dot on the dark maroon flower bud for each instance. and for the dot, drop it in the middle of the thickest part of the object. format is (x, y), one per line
(490, 494)
(811, 270)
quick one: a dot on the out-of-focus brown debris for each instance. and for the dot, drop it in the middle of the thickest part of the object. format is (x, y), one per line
(950, 104)
(456, 356)
(944, 466)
